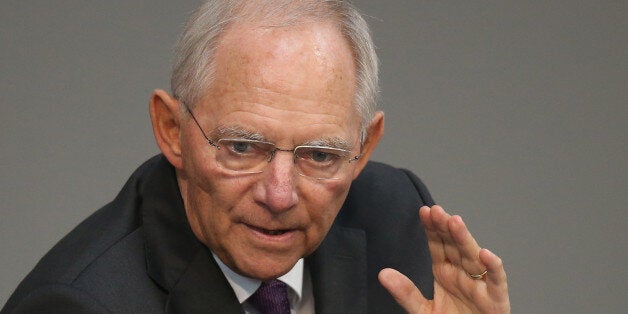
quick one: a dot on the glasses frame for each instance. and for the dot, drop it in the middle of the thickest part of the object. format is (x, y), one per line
(271, 153)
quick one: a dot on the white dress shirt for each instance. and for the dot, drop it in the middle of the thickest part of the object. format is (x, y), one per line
(297, 279)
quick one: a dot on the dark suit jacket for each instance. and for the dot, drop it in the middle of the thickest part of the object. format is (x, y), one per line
(138, 254)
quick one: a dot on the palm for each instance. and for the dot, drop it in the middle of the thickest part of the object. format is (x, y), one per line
(454, 252)
(446, 300)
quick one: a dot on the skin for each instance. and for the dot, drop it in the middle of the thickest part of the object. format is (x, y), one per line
(294, 85)
(455, 255)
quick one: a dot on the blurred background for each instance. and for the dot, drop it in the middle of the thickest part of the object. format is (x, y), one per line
(513, 112)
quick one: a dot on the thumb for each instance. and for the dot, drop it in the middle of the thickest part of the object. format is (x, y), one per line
(403, 290)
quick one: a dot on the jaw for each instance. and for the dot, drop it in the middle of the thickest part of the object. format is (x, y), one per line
(264, 263)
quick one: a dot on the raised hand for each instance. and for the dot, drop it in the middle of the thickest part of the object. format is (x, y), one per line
(467, 279)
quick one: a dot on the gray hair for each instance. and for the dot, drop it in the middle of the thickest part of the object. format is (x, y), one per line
(193, 68)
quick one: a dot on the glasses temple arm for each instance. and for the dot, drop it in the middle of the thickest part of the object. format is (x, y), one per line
(198, 125)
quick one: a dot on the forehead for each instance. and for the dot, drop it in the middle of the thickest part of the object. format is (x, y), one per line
(261, 47)
(303, 73)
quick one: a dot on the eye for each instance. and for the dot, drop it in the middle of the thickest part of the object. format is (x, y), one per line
(240, 147)
(322, 156)
(319, 155)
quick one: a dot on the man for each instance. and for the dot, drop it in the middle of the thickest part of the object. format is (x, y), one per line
(263, 199)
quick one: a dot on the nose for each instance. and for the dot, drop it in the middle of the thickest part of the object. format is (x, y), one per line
(276, 188)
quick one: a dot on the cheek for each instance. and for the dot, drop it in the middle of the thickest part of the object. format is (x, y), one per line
(323, 202)
(211, 198)
(206, 181)
(217, 196)
(215, 206)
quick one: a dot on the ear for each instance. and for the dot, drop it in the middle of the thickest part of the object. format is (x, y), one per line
(166, 120)
(373, 135)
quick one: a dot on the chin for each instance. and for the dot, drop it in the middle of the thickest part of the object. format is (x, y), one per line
(267, 268)
(267, 274)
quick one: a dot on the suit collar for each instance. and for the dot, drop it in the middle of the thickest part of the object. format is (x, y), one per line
(203, 289)
(170, 242)
(338, 269)
(175, 259)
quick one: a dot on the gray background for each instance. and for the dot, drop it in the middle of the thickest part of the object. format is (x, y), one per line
(513, 112)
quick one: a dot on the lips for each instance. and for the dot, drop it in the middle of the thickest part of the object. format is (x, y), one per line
(270, 232)
(273, 232)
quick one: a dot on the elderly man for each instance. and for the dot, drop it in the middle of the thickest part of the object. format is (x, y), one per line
(263, 200)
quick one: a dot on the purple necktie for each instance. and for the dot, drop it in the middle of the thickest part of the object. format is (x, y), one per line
(271, 298)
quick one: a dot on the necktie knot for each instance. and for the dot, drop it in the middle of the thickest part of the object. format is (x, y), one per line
(271, 298)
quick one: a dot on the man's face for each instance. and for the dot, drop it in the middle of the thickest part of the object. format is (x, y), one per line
(290, 86)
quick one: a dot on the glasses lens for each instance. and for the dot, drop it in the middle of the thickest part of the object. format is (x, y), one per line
(243, 155)
(320, 162)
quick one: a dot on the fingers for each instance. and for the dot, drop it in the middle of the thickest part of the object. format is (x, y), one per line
(456, 254)
(496, 280)
(467, 247)
(442, 221)
(449, 239)
(435, 243)
(402, 289)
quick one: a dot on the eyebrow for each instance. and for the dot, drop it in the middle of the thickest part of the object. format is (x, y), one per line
(333, 142)
(238, 132)
(234, 131)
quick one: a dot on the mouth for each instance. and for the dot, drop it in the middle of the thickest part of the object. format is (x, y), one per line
(270, 232)
(273, 236)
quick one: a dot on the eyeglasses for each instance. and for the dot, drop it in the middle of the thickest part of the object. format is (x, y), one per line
(247, 156)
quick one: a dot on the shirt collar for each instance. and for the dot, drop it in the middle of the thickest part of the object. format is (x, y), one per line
(244, 287)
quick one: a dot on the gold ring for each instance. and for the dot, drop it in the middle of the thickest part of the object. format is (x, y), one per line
(478, 276)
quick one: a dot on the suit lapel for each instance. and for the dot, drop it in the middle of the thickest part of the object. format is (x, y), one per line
(203, 289)
(338, 271)
(175, 259)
